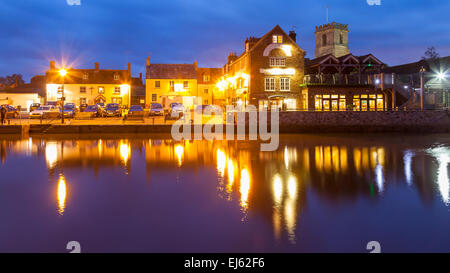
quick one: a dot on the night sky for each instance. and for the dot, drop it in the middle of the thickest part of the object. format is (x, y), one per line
(113, 32)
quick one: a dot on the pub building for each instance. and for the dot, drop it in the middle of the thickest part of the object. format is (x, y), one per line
(337, 80)
(268, 73)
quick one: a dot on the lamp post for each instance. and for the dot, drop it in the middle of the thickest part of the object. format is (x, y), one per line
(422, 70)
(62, 73)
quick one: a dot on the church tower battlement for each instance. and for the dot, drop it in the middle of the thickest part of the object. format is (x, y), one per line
(331, 38)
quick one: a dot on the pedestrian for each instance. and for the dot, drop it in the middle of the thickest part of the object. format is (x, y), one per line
(3, 114)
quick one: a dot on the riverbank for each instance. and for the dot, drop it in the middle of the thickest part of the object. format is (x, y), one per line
(290, 122)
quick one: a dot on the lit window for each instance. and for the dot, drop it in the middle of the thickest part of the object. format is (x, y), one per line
(270, 84)
(185, 84)
(60, 89)
(172, 86)
(206, 78)
(117, 90)
(82, 89)
(101, 90)
(85, 76)
(116, 77)
(284, 84)
(157, 84)
(277, 39)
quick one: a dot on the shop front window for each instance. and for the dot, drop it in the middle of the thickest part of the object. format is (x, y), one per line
(318, 103)
(380, 102)
(342, 104)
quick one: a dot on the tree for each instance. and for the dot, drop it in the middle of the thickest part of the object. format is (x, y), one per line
(430, 54)
(12, 79)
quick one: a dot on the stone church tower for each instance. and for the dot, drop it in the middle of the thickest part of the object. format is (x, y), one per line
(331, 38)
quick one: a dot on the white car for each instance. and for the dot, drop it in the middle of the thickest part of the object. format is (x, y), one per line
(44, 111)
(176, 109)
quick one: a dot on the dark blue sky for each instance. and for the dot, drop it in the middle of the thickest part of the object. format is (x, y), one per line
(180, 31)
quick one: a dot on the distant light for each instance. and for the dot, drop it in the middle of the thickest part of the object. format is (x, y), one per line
(62, 72)
(377, 81)
(441, 76)
(406, 87)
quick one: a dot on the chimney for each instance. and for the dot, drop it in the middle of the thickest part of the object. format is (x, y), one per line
(97, 67)
(293, 35)
(148, 60)
(52, 66)
(129, 70)
(249, 42)
(195, 64)
(140, 76)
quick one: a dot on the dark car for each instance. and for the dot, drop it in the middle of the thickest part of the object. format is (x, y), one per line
(34, 106)
(94, 109)
(136, 111)
(69, 110)
(83, 107)
(156, 109)
(112, 110)
(11, 111)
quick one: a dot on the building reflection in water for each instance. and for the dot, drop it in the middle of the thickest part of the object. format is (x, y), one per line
(61, 194)
(272, 184)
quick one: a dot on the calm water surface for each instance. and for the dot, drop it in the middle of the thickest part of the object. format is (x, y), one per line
(317, 193)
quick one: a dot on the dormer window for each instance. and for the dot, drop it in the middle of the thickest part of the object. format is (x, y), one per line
(116, 77)
(277, 39)
(85, 76)
(206, 78)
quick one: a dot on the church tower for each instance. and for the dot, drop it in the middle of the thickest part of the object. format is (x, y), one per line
(331, 38)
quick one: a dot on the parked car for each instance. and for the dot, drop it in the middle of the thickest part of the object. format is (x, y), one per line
(207, 109)
(94, 109)
(83, 107)
(69, 110)
(34, 106)
(156, 109)
(45, 111)
(136, 111)
(112, 110)
(11, 111)
(176, 109)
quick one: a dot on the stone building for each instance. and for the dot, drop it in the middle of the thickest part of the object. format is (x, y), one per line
(331, 39)
(268, 73)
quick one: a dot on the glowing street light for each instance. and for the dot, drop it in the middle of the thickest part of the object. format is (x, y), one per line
(62, 72)
(441, 76)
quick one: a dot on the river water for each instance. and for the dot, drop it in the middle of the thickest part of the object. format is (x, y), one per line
(316, 193)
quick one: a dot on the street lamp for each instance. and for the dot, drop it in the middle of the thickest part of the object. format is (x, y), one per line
(422, 70)
(441, 76)
(62, 73)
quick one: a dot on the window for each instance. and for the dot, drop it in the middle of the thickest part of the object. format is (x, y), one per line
(116, 100)
(284, 84)
(116, 90)
(205, 102)
(277, 61)
(324, 39)
(206, 78)
(82, 89)
(157, 84)
(154, 97)
(185, 84)
(172, 86)
(101, 90)
(277, 39)
(85, 76)
(205, 91)
(82, 100)
(116, 77)
(341, 38)
(60, 89)
(270, 84)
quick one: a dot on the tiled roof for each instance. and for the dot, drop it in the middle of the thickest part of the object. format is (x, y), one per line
(171, 71)
(412, 68)
(214, 75)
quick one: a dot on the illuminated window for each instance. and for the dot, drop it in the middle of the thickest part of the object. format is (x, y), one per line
(318, 102)
(116, 90)
(277, 39)
(206, 78)
(342, 103)
(157, 84)
(277, 61)
(101, 90)
(116, 77)
(82, 89)
(284, 84)
(185, 84)
(85, 76)
(60, 89)
(172, 86)
(270, 84)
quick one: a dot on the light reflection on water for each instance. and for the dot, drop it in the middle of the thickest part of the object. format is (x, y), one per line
(276, 186)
